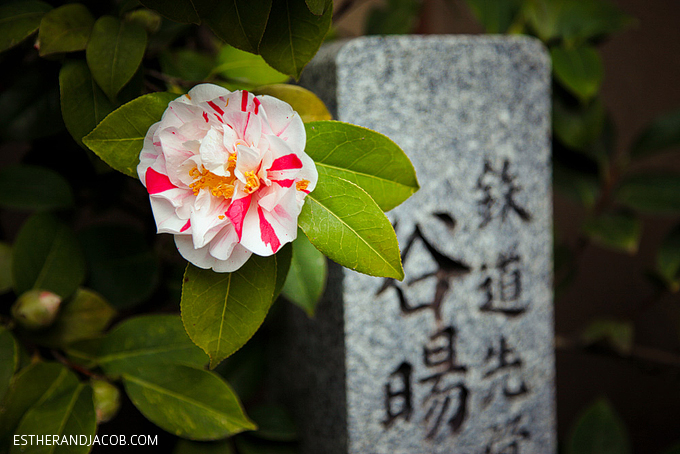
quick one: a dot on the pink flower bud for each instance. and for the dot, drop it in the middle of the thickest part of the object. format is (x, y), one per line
(36, 309)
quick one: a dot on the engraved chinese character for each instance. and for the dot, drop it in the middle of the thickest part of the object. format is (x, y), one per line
(446, 388)
(499, 189)
(506, 363)
(399, 401)
(502, 286)
(507, 439)
(448, 269)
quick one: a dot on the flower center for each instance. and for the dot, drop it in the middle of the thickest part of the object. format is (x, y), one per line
(252, 182)
(218, 186)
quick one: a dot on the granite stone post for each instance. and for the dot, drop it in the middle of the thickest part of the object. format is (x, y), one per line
(458, 358)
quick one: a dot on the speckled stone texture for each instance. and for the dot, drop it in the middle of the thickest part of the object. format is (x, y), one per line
(457, 358)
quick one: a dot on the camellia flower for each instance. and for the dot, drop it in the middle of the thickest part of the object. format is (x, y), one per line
(227, 175)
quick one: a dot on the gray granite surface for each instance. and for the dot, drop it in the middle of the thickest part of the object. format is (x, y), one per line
(457, 358)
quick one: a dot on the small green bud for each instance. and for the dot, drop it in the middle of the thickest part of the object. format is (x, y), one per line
(36, 309)
(106, 400)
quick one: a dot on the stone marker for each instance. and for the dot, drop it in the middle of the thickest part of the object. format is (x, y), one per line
(457, 358)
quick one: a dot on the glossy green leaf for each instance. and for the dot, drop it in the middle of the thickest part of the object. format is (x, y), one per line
(114, 53)
(18, 20)
(575, 21)
(318, 7)
(303, 101)
(284, 258)
(83, 103)
(188, 402)
(245, 69)
(617, 333)
(365, 157)
(618, 231)
(294, 36)
(661, 135)
(273, 423)
(148, 340)
(668, 259)
(178, 10)
(32, 386)
(578, 127)
(85, 352)
(397, 17)
(121, 265)
(118, 139)
(69, 413)
(195, 447)
(65, 29)
(222, 311)
(307, 276)
(578, 69)
(652, 193)
(28, 187)
(9, 359)
(344, 222)
(83, 316)
(495, 15)
(149, 20)
(5, 267)
(241, 23)
(187, 64)
(47, 256)
(599, 430)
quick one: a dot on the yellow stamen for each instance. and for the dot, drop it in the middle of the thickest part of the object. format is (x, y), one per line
(221, 216)
(188, 97)
(218, 186)
(252, 182)
(302, 185)
(227, 104)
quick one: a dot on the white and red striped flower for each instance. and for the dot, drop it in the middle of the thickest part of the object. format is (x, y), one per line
(227, 175)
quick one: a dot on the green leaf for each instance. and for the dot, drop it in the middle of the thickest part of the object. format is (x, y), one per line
(318, 7)
(114, 53)
(398, 17)
(188, 402)
(85, 352)
(28, 187)
(69, 413)
(195, 447)
(668, 259)
(18, 21)
(618, 231)
(652, 193)
(148, 340)
(122, 266)
(245, 69)
(578, 127)
(364, 157)
(9, 359)
(274, 423)
(303, 101)
(118, 139)
(294, 36)
(495, 15)
(599, 430)
(187, 64)
(240, 23)
(5, 267)
(32, 386)
(65, 29)
(575, 21)
(662, 134)
(83, 316)
(579, 70)
(245, 369)
(222, 311)
(47, 256)
(149, 20)
(83, 103)
(284, 258)
(178, 10)
(618, 333)
(307, 276)
(344, 222)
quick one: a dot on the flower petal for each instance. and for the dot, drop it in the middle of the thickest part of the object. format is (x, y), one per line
(201, 257)
(283, 122)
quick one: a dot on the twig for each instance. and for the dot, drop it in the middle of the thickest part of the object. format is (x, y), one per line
(66, 362)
